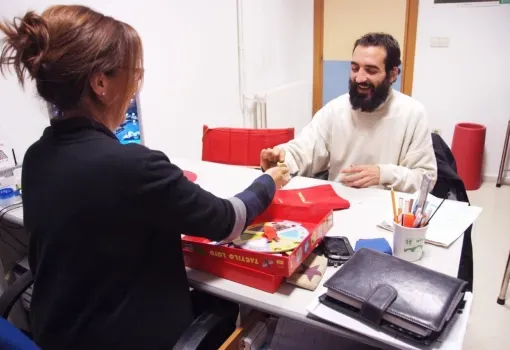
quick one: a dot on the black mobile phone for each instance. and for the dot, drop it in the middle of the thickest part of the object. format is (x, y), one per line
(338, 250)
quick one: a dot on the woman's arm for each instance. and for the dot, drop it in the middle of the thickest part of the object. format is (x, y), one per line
(174, 203)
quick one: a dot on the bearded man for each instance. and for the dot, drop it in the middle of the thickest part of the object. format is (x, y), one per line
(373, 136)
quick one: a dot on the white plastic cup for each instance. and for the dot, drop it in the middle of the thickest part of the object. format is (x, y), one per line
(408, 243)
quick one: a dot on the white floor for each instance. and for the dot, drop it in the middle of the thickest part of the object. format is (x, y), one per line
(489, 325)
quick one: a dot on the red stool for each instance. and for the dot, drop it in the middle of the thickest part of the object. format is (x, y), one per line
(467, 148)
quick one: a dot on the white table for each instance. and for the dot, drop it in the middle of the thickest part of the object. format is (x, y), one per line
(368, 208)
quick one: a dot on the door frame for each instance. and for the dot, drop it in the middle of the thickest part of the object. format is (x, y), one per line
(318, 59)
(411, 25)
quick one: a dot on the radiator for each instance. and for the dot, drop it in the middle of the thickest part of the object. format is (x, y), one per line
(287, 106)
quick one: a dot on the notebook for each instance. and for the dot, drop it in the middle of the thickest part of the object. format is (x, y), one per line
(395, 295)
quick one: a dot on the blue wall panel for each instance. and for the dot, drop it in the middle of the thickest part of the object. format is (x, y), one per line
(336, 79)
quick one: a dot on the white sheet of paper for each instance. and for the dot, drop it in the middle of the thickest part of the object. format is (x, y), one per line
(446, 226)
(451, 339)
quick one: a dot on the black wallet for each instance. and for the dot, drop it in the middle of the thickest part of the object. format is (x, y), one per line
(395, 295)
(337, 250)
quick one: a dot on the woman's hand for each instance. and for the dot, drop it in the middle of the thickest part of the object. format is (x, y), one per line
(280, 175)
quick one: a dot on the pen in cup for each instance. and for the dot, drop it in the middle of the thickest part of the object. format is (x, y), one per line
(435, 211)
(394, 205)
(408, 220)
(418, 218)
(425, 206)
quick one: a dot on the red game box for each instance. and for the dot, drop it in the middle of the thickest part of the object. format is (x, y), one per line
(260, 270)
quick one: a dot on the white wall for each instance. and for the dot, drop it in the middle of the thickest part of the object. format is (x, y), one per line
(278, 54)
(278, 42)
(470, 79)
(191, 65)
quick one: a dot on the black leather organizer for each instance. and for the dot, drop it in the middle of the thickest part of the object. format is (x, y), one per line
(395, 295)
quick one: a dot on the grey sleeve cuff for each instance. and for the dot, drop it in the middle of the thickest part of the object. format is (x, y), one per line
(240, 211)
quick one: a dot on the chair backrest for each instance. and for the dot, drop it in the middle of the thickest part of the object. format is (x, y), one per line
(237, 146)
(448, 181)
(10, 336)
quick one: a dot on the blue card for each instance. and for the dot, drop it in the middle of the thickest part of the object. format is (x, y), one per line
(379, 244)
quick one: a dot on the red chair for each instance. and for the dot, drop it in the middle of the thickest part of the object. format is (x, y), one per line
(237, 146)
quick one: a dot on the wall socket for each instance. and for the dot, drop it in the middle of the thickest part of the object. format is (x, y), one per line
(439, 42)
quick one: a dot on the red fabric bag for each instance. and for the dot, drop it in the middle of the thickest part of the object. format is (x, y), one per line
(323, 196)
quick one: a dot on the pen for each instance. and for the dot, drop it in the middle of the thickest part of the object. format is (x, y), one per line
(408, 220)
(14, 157)
(418, 221)
(423, 192)
(406, 207)
(395, 216)
(434, 213)
(423, 220)
(418, 218)
(429, 210)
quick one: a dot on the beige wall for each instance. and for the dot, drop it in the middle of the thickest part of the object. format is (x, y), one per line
(347, 20)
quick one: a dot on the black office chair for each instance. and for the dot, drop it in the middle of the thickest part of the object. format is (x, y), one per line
(10, 336)
(450, 185)
(323, 175)
(209, 331)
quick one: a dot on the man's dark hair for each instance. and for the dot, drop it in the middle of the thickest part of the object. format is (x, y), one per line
(383, 40)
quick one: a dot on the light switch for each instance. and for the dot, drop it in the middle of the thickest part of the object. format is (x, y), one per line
(434, 42)
(444, 42)
(439, 41)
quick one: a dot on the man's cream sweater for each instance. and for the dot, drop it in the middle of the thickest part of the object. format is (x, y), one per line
(396, 137)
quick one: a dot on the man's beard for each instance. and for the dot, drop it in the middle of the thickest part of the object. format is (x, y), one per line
(378, 94)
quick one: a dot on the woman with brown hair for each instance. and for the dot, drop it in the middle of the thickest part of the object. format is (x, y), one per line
(105, 219)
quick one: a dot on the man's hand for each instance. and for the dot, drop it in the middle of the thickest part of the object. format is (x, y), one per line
(361, 176)
(270, 157)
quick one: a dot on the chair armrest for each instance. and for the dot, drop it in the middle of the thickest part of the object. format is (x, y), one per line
(208, 331)
(13, 292)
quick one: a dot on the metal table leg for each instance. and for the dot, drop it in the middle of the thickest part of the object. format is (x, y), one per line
(503, 157)
(504, 284)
